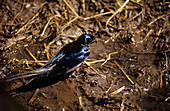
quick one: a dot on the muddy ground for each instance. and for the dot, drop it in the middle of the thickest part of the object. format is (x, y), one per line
(132, 39)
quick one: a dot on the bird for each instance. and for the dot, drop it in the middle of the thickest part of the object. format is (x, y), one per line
(57, 68)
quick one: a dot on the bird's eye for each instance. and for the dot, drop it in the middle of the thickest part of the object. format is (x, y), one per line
(86, 38)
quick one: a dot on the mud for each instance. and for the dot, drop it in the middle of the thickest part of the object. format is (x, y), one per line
(136, 39)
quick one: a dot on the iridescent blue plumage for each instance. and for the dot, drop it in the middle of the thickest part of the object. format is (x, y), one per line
(60, 66)
(72, 54)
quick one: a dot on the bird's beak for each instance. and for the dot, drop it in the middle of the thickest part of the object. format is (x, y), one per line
(94, 41)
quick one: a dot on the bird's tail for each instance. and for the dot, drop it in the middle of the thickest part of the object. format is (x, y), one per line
(37, 72)
(27, 74)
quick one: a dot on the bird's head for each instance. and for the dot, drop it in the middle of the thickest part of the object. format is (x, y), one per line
(86, 39)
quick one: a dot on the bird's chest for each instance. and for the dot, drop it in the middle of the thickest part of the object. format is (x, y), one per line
(75, 57)
(79, 53)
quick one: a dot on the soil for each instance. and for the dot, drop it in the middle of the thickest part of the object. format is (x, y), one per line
(132, 40)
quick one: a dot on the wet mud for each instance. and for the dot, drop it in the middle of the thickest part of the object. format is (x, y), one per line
(128, 67)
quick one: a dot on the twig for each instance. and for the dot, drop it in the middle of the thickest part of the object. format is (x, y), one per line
(118, 2)
(23, 27)
(71, 8)
(83, 5)
(81, 103)
(20, 11)
(111, 38)
(33, 57)
(44, 95)
(118, 90)
(137, 15)
(96, 61)
(161, 80)
(82, 26)
(158, 35)
(47, 53)
(122, 105)
(124, 73)
(166, 62)
(115, 27)
(44, 37)
(31, 54)
(48, 24)
(149, 33)
(33, 96)
(137, 2)
(109, 88)
(151, 23)
(119, 10)
(106, 13)
(68, 23)
(10, 13)
(109, 57)
(156, 19)
(65, 12)
(88, 64)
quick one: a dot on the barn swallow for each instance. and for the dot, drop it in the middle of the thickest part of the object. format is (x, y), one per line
(59, 67)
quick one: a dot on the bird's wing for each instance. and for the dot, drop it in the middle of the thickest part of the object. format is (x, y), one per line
(62, 53)
(53, 60)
